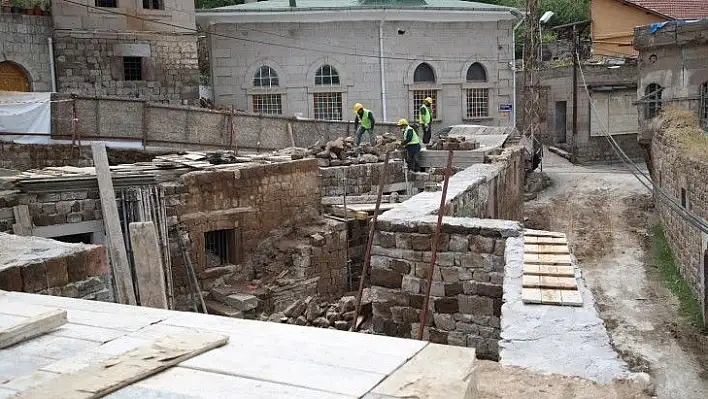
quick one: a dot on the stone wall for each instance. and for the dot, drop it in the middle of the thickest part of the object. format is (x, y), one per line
(360, 179)
(25, 43)
(684, 177)
(38, 265)
(115, 118)
(466, 288)
(252, 201)
(36, 156)
(91, 63)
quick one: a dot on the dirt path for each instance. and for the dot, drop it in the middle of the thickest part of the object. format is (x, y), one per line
(607, 215)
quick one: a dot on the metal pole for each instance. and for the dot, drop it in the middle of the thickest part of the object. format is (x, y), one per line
(346, 223)
(436, 243)
(372, 228)
(575, 96)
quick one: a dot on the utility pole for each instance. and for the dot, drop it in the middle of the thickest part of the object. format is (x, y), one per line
(573, 157)
(531, 79)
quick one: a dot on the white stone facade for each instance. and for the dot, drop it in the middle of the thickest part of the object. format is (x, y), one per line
(351, 45)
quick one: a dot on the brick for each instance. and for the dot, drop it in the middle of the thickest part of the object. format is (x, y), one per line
(438, 336)
(11, 279)
(386, 278)
(97, 262)
(34, 277)
(76, 266)
(411, 284)
(401, 266)
(444, 321)
(490, 290)
(386, 239)
(476, 305)
(57, 275)
(458, 243)
(420, 242)
(457, 338)
(453, 289)
(446, 305)
(482, 244)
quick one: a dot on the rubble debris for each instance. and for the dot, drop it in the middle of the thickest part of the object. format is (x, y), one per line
(453, 143)
(343, 151)
(315, 312)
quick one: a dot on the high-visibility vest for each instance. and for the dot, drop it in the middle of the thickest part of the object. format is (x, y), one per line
(424, 115)
(415, 140)
(366, 119)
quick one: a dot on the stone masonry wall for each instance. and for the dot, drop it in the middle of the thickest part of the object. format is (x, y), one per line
(676, 171)
(81, 271)
(466, 288)
(360, 179)
(252, 200)
(91, 63)
(24, 41)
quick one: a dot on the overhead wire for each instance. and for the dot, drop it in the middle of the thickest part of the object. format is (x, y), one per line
(351, 52)
(637, 172)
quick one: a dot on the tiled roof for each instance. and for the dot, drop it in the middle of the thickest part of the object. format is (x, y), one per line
(679, 9)
(272, 5)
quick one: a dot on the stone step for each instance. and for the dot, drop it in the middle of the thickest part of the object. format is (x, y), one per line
(221, 309)
(242, 302)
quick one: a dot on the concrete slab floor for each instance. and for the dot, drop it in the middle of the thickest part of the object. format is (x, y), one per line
(564, 340)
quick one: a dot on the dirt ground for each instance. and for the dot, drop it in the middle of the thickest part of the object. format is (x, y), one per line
(497, 381)
(607, 215)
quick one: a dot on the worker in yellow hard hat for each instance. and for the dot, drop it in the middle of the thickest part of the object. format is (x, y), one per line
(425, 117)
(364, 123)
(411, 142)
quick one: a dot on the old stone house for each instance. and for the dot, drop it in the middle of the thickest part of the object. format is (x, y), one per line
(317, 58)
(132, 48)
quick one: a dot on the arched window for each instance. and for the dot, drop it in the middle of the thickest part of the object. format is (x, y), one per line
(476, 73)
(326, 75)
(652, 96)
(266, 77)
(704, 106)
(424, 73)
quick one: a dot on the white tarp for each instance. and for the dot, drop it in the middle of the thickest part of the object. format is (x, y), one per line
(25, 113)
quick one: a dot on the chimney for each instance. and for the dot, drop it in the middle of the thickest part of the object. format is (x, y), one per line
(293, 3)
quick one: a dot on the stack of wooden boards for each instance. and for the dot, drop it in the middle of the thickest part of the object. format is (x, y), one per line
(549, 275)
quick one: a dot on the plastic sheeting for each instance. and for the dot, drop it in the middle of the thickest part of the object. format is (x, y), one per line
(25, 113)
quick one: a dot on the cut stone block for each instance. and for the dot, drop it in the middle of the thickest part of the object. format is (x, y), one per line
(531, 295)
(242, 302)
(551, 297)
(546, 259)
(221, 309)
(547, 270)
(572, 298)
(546, 249)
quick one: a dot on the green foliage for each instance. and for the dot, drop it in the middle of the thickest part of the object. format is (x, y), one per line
(216, 3)
(663, 259)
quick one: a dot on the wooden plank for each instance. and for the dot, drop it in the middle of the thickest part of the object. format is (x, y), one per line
(148, 265)
(571, 298)
(547, 259)
(23, 221)
(546, 270)
(436, 372)
(32, 327)
(551, 282)
(545, 240)
(531, 295)
(111, 221)
(546, 249)
(112, 374)
(531, 281)
(551, 297)
(543, 233)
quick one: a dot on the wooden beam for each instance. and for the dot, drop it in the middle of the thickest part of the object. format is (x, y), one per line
(98, 380)
(148, 265)
(32, 327)
(114, 237)
(23, 221)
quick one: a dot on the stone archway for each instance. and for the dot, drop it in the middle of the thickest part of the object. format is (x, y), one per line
(13, 77)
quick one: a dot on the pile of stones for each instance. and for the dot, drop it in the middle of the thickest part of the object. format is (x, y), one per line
(453, 143)
(344, 151)
(315, 312)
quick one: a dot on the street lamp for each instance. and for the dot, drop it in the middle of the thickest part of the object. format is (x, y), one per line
(543, 20)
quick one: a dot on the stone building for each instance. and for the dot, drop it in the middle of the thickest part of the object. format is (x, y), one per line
(317, 58)
(136, 48)
(128, 48)
(672, 71)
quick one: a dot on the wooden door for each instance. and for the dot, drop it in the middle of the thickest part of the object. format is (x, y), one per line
(13, 78)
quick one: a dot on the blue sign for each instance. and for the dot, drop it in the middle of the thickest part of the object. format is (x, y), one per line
(505, 107)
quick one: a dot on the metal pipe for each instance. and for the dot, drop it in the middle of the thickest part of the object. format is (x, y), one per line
(369, 243)
(51, 64)
(346, 223)
(383, 72)
(436, 244)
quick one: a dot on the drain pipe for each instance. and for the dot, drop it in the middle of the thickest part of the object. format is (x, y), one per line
(51, 65)
(522, 18)
(383, 72)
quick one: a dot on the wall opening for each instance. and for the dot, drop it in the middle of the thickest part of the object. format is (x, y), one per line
(561, 121)
(13, 77)
(81, 238)
(219, 246)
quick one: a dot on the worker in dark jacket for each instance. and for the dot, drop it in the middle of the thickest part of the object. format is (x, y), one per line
(425, 118)
(411, 142)
(364, 123)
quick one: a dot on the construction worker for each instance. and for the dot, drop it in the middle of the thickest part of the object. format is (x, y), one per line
(412, 144)
(364, 123)
(425, 117)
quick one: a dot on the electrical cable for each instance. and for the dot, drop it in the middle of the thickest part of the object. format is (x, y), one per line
(684, 213)
(292, 47)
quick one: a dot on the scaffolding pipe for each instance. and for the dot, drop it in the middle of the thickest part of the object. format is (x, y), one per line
(436, 244)
(369, 243)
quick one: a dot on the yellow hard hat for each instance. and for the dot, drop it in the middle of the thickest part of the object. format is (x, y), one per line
(358, 106)
(402, 122)
(428, 100)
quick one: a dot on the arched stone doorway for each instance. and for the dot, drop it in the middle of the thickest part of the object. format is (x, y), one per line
(13, 77)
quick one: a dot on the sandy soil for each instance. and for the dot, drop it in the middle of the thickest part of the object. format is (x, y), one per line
(607, 215)
(497, 381)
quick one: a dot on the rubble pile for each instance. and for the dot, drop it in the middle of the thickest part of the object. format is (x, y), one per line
(315, 312)
(453, 143)
(344, 151)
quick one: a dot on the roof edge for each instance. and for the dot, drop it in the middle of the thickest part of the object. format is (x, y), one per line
(649, 10)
